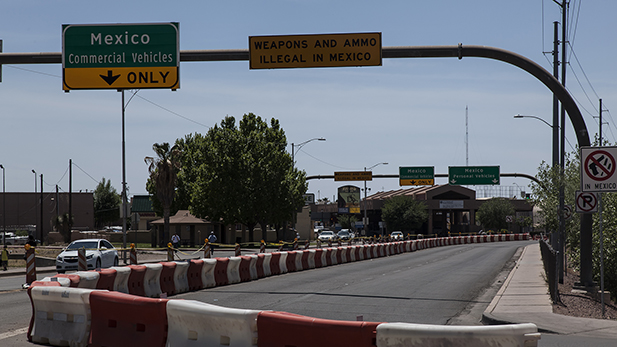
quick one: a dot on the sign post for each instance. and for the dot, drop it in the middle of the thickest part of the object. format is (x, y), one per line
(120, 56)
(473, 175)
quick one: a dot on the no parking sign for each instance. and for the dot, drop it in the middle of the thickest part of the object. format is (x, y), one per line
(586, 202)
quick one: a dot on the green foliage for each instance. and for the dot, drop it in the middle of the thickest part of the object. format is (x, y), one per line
(107, 203)
(404, 213)
(492, 213)
(239, 174)
(347, 221)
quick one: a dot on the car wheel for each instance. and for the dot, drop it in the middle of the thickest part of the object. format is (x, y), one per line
(98, 263)
(116, 261)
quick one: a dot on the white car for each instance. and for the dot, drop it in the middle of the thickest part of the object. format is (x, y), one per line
(100, 253)
(397, 235)
(327, 235)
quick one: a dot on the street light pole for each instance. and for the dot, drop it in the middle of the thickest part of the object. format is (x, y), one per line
(365, 219)
(36, 217)
(293, 163)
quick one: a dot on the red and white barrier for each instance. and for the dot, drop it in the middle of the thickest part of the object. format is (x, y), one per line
(287, 329)
(87, 279)
(266, 264)
(283, 263)
(152, 280)
(122, 279)
(123, 320)
(233, 270)
(181, 281)
(136, 280)
(61, 316)
(207, 273)
(406, 334)
(194, 323)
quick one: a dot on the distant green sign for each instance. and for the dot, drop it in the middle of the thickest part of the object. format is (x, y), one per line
(416, 176)
(473, 175)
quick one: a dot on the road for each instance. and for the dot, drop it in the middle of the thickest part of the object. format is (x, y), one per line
(444, 285)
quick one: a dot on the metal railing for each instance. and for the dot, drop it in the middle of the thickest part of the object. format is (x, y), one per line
(549, 258)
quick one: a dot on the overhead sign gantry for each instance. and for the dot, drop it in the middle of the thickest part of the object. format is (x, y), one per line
(120, 56)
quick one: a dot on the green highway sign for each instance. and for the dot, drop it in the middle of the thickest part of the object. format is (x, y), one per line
(120, 56)
(473, 175)
(417, 176)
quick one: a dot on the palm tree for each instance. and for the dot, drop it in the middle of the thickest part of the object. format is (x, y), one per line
(164, 173)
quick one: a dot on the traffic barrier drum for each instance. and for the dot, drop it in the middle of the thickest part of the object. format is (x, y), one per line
(181, 282)
(120, 320)
(61, 316)
(407, 334)
(168, 286)
(107, 277)
(281, 329)
(193, 274)
(121, 282)
(194, 323)
(233, 270)
(220, 271)
(152, 280)
(275, 268)
(245, 268)
(135, 282)
(207, 272)
(87, 279)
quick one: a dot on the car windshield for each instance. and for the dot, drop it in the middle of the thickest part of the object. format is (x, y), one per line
(343, 233)
(327, 233)
(84, 244)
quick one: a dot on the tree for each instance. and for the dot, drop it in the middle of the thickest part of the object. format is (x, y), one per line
(163, 175)
(62, 224)
(107, 203)
(404, 213)
(492, 213)
(347, 220)
(240, 174)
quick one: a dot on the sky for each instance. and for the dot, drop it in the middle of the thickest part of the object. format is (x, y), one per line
(406, 112)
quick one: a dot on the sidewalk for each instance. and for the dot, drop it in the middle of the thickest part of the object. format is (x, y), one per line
(524, 298)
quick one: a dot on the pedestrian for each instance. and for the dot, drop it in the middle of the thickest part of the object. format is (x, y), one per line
(175, 240)
(5, 258)
(212, 239)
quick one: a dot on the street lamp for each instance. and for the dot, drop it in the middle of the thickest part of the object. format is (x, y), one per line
(365, 220)
(300, 145)
(558, 157)
(293, 161)
(36, 217)
(3, 208)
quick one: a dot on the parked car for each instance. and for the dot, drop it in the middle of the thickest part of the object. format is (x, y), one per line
(100, 253)
(397, 235)
(327, 235)
(344, 234)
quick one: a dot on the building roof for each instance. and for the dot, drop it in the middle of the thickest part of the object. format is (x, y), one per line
(141, 203)
(182, 217)
(444, 191)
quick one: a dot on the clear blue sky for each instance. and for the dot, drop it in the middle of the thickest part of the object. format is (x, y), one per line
(408, 112)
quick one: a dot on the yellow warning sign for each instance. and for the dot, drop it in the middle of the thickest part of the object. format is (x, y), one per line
(417, 182)
(325, 50)
(121, 78)
(353, 176)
